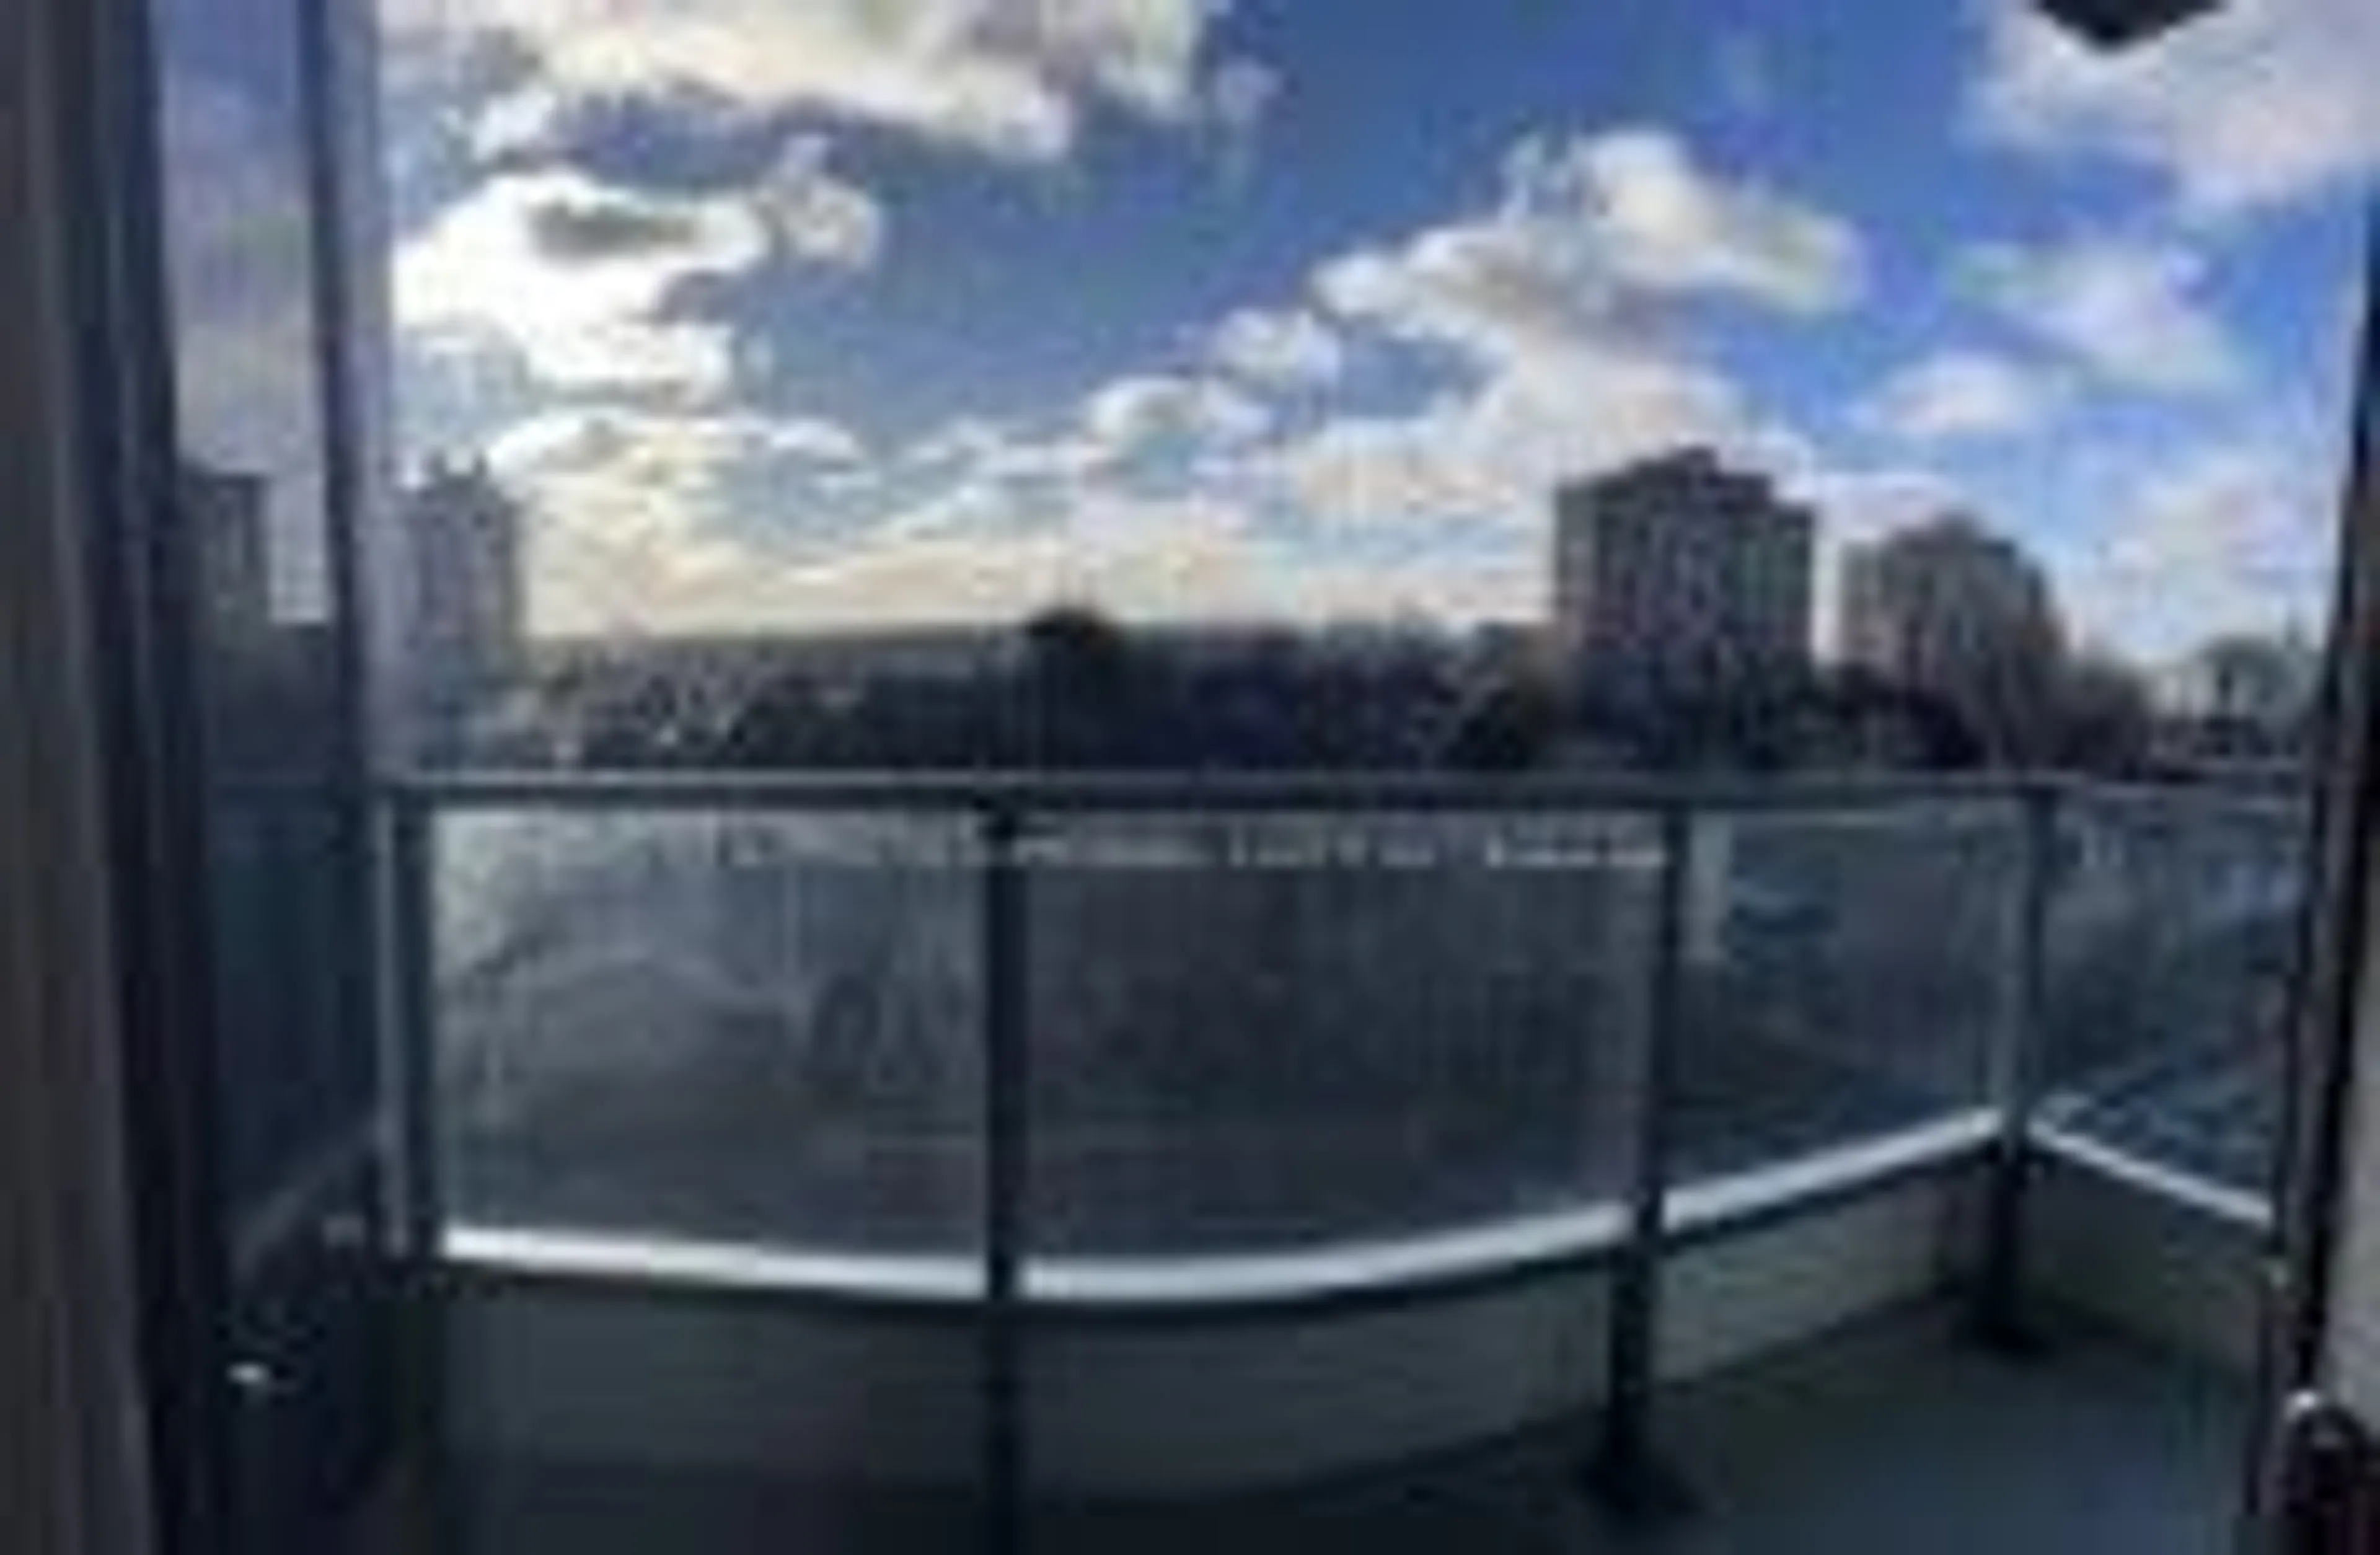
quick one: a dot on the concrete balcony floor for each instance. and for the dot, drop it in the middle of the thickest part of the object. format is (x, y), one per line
(1894, 1437)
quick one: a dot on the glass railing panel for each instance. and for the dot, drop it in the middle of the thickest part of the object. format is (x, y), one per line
(731, 1031)
(2172, 931)
(1273, 1048)
(1846, 978)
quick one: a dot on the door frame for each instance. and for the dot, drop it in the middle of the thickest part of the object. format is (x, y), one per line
(2335, 954)
(113, 379)
(119, 377)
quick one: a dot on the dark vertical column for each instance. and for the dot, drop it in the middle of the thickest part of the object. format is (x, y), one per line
(370, 1295)
(337, 87)
(1007, 1080)
(1627, 1476)
(410, 1056)
(2000, 1317)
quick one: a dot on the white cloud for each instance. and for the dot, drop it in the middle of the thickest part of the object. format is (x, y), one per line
(669, 449)
(2232, 536)
(1286, 348)
(1139, 559)
(626, 532)
(818, 215)
(2127, 308)
(2216, 512)
(1530, 342)
(1175, 560)
(1491, 455)
(1662, 222)
(1139, 415)
(642, 525)
(1008, 79)
(1142, 426)
(646, 517)
(2264, 103)
(637, 509)
(1552, 318)
(1959, 395)
(636, 533)
(1590, 237)
(576, 276)
(1868, 502)
(1492, 293)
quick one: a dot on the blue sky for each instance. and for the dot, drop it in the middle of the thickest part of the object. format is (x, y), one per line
(817, 315)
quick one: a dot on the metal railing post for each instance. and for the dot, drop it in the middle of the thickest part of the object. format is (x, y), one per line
(1007, 1094)
(412, 1043)
(1626, 1474)
(2002, 1320)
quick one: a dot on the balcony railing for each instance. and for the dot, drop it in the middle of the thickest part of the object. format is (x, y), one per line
(1132, 1046)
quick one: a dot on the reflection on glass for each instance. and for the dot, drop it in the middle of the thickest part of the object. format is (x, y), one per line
(2173, 935)
(251, 525)
(747, 1030)
(1273, 1033)
(1847, 977)
(255, 634)
(240, 253)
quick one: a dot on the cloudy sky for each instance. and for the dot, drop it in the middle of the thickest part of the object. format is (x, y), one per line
(807, 314)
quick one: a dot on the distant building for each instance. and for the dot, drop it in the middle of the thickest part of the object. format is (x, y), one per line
(268, 664)
(462, 618)
(1953, 611)
(1678, 576)
(225, 514)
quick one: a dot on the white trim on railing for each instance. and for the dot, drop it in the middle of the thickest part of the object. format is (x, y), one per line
(1332, 1269)
(1763, 1191)
(1188, 1281)
(1509, 1246)
(2246, 1210)
(718, 1266)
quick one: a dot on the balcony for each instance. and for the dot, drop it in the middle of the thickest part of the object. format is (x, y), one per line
(1274, 1162)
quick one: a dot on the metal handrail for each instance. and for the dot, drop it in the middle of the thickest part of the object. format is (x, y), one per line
(952, 789)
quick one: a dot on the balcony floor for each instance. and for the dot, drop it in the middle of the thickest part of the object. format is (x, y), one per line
(1893, 1438)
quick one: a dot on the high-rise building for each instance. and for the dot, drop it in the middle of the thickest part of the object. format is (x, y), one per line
(463, 618)
(1962, 614)
(1680, 577)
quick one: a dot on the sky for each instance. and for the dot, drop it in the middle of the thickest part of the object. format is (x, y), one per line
(822, 314)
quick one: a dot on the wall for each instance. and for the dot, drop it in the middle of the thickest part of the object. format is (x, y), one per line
(2166, 1274)
(545, 1372)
